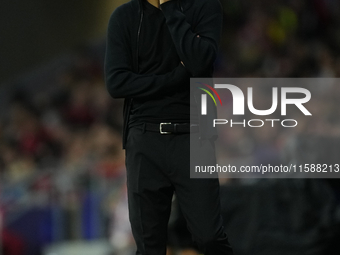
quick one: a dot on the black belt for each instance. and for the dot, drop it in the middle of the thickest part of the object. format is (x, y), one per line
(171, 128)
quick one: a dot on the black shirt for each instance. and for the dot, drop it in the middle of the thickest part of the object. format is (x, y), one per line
(158, 55)
(185, 19)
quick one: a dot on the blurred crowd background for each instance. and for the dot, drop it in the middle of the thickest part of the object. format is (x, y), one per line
(62, 173)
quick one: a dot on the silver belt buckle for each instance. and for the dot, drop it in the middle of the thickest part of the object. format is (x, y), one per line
(160, 128)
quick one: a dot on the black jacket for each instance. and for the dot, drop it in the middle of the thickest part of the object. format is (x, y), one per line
(195, 27)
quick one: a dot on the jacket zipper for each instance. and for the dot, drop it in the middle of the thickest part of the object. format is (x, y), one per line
(138, 35)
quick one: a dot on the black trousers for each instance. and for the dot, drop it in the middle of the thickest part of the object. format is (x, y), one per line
(157, 166)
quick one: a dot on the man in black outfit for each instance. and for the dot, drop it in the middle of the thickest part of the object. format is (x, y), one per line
(153, 48)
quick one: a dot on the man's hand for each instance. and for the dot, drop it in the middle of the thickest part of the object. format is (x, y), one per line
(163, 1)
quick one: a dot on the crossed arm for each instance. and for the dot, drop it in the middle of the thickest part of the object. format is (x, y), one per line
(196, 46)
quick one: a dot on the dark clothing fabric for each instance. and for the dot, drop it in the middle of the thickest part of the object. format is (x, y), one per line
(158, 55)
(166, 158)
(157, 52)
(186, 19)
(156, 87)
